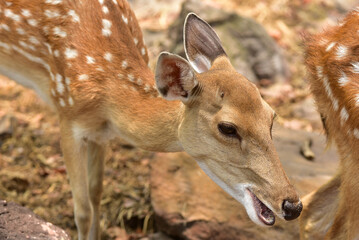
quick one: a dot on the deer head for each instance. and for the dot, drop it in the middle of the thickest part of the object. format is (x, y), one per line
(226, 125)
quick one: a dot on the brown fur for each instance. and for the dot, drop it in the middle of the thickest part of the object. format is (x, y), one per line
(341, 132)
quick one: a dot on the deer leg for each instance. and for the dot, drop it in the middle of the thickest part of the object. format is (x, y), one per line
(320, 209)
(346, 223)
(75, 159)
(96, 155)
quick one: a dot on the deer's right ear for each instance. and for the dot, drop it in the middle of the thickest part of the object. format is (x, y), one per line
(201, 43)
(175, 78)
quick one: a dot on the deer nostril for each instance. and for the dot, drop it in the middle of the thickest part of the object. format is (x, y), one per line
(291, 210)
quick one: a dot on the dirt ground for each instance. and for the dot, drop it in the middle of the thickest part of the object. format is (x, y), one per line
(32, 171)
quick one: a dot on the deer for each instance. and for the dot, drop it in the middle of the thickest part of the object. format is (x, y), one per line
(332, 61)
(88, 60)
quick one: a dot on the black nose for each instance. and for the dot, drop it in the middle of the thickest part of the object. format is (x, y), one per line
(291, 210)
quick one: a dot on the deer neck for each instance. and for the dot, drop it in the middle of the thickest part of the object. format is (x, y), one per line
(145, 119)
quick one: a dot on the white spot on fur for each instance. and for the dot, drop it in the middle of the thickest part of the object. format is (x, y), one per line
(5, 27)
(143, 51)
(25, 13)
(73, 14)
(90, 60)
(100, 69)
(355, 67)
(62, 102)
(5, 45)
(71, 101)
(344, 115)
(105, 9)
(147, 88)
(356, 133)
(124, 64)
(124, 19)
(330, 46)
(34, 40)
(130, 77)
(108, 56)
(67, 81)
(32, 22)
(83, 77)
(341, 51)
(51, 13)
(59, 32)
(8, 4)
(27, 46)
(20, 31)
(8, 13)
(101, 1)
(48, 48)
(139, 81)
(53, 2)
(115, 2)
(71, 53)
(343, 80)
(59, 85)
(106, 30)
(53, 92)
(320, 71)
(357, 99)
(56, 53)
(135, 40)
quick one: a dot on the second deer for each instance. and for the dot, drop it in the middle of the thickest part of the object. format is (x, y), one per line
(87, 59)
(332, 212)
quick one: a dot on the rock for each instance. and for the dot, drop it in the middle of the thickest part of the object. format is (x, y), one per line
(19, 223)
(188, 205)
(252, 51)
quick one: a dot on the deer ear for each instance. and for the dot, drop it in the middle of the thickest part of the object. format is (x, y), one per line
(201, 43)
(175, 78)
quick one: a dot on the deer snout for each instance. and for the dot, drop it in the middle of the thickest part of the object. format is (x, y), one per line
(291, 210)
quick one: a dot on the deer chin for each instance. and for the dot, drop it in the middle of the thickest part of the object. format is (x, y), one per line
(258, 211)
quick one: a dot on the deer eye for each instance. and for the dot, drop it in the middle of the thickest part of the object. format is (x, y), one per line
(227, 129)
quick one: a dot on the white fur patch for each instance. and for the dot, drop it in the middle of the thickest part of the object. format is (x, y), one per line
(344, 115)
(143, 51)
(83, 77)
(135, 40)
(71, 101)
(106, 30)
(124, 64)
(20, 31)
(53, 2)
(59, 85)
(108, 57)
(341, 51)
(25, 12)
(356, 133)
(355, 67)
(131, 78)
(124, 19)
(330, 46)
(32, 22)
(73, 14)
(62, 102)
(105, 9)
(5, 27)
(343, 80)
(70, 53)
(8, 13)
(52, 13)
(90, 60)
(59, 32)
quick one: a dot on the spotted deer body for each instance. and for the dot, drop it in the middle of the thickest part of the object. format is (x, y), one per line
(333, 63)
(88, 60)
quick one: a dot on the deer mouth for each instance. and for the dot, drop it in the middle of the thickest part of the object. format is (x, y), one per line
(263, 212)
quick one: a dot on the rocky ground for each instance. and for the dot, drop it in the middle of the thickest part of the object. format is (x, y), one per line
(32, 172)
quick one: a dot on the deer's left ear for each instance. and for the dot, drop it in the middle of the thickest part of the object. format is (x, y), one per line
(175, 78)
(201, 43)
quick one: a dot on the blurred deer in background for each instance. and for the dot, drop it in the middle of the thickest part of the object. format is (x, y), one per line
(332, 60)
(88, 60)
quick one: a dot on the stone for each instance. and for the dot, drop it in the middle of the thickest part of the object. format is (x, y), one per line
(19, 223)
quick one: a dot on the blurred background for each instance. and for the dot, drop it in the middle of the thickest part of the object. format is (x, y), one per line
(166, 196)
